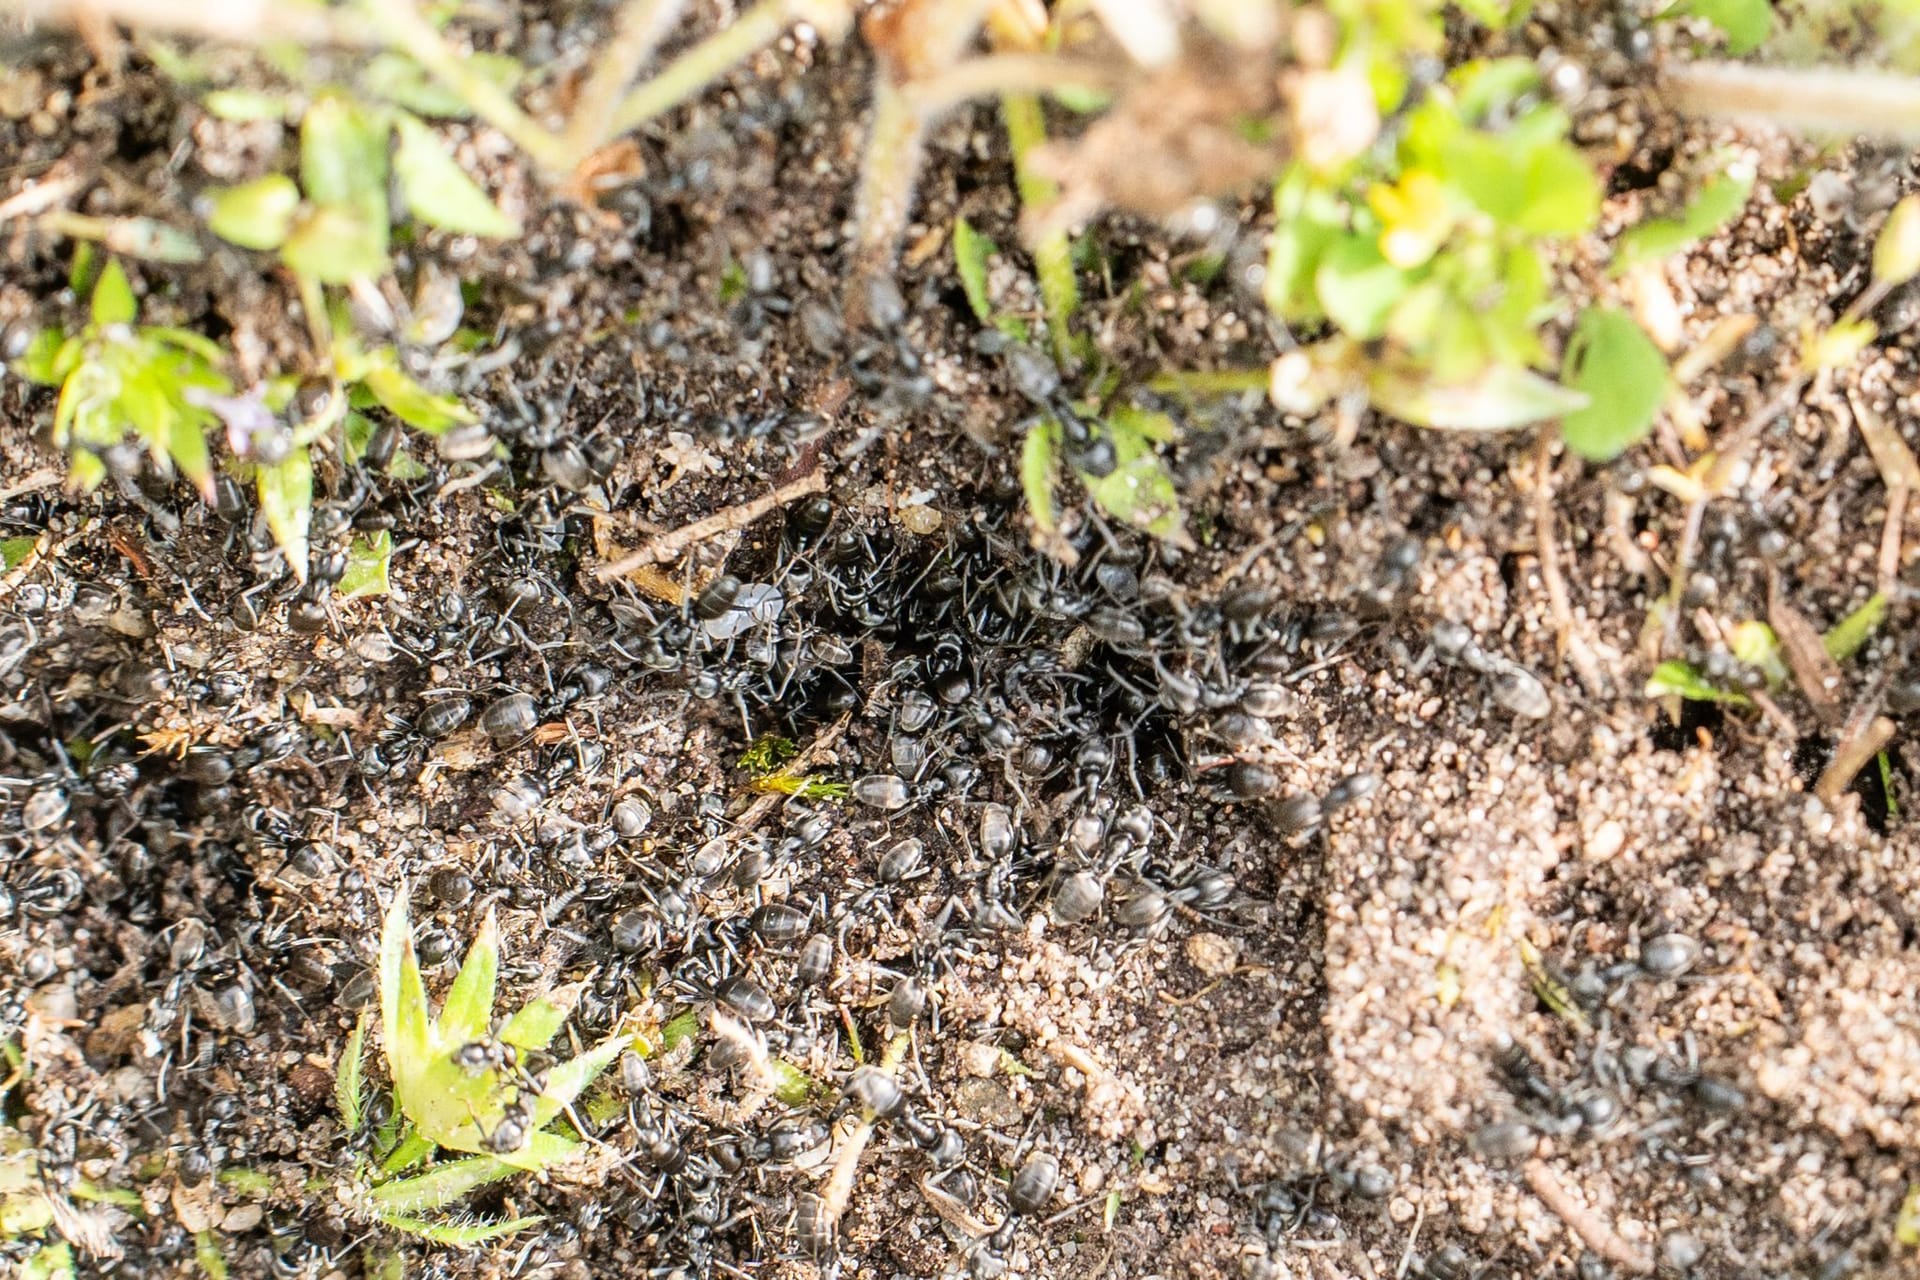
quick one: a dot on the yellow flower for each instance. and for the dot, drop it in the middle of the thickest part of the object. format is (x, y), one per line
(1418, 218)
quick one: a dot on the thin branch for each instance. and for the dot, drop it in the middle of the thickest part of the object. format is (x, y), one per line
(1584, 1222)
(706, 62)
(642, 25)
(399, 24)
(669, 545)
(236, 21)
(1845, 101)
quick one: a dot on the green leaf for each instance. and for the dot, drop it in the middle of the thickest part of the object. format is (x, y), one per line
(50, 1262)
(543, 1151)
(681, 1027)
(438, 191)
(1612, 360)
(1906, 1223)
(14, 552)
(186, 447)
(206, 1252)
(245, 105)
(337, 244)
(406, 1027)
(1718, 202)
(1896, 250)
(257, 214)
(1677, 679)
(286, 499)
(439, 1187)
(85, 471)
(468, 1013)
(1501, 398)
(1140, 489)
(189, 341)
(458, 1235)
(42, 360)
(1747, 23)
(1562, 193)
(970, 253)
(402, 81)
(113, 301)
(1358, 288)
(368, 558)
(410, 402)
(1851, 633)
(348, 1078)
(791, 1085)
(343, 155)
(1756, 644)
(411, 1150)
(539, 1020)
(565, 1082)
(1037, 469)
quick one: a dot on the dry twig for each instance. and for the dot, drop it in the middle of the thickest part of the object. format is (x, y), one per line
(739, 516)
(1583, 1222)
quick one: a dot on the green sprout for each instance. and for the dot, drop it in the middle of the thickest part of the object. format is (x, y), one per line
(456, 1087)
(334, 225)
(121, 381)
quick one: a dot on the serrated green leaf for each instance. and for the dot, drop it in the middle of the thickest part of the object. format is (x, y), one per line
(439, 1186)
(337, 244)
(538, 1021)
(438, 190)
(1502, 398)
(1851, 633)
(257, 214)
(1615, 364)
(343, 154)
(248, 1182)
(542, 1151)
(468, 1012)
(369, 557)
(286, 499)
(1747, 23)
(410, 402)
(113, 301)
(14, 552)
(1677, 679)
(406, 1025)
(245, 105)
(349, 1078)
(1037, 456)
(970, 253)
(458, 1235)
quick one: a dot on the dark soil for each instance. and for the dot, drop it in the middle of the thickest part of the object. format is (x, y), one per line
(1408, 1033)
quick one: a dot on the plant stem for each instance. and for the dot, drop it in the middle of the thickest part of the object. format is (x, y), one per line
(1834, 100)
(1053, 255)
(399, 23)
(1210, 382)
(887, 173)
(642, 25)
(701, 65)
